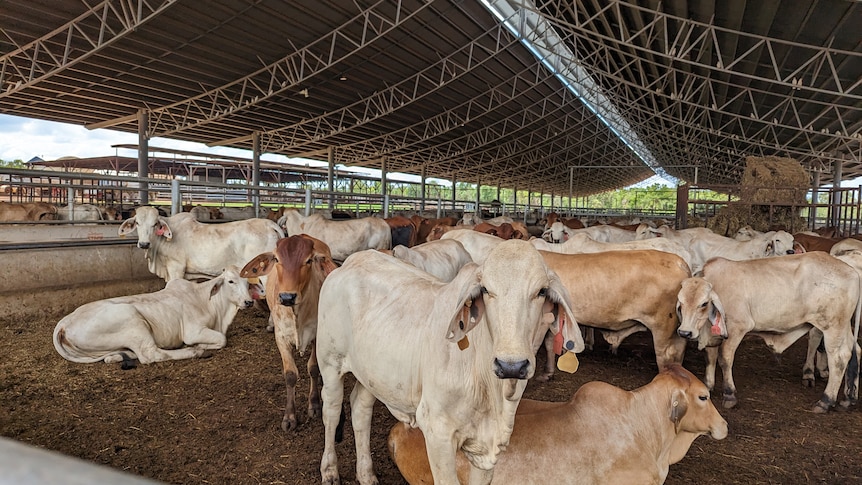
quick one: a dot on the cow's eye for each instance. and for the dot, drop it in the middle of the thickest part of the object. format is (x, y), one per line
(703, 305)
(703, 397)
(230, 281)
(543, 292)
(309, 261)
(484, 290)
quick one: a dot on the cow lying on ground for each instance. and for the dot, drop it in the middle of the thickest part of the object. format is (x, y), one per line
(603, 435)
(300, 264)
(450, 358)
(180, 246)
(181, 321)
(779, 300)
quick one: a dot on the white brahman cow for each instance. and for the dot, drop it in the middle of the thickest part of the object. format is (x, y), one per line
(451, 358)
(182, 321)
(296, 269)
(779, 300)
(602, 435)
(179, 246)
(442, 259)
(344, 237)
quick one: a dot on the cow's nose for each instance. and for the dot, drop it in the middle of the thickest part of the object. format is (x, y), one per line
(249, 303)
(287, 299)
(144, 245)
(511, 370)
(790, 251)
(684, 333)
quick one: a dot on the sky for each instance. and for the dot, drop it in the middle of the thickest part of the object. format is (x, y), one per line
(25, 138)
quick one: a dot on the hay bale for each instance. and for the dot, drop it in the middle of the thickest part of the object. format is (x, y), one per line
(774, 180)
(729, 219)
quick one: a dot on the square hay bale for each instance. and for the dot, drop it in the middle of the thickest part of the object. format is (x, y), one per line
(774, 180)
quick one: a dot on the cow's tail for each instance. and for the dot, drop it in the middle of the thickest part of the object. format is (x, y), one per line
(70, 352)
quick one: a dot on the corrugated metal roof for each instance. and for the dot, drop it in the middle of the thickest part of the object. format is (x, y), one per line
(445, 88)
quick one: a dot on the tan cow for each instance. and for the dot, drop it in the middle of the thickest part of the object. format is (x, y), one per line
(779, 300)
(623, 292)
(301, 263)
(603, 435)
(451, 358)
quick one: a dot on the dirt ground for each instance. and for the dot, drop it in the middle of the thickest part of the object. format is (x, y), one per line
(217, 420)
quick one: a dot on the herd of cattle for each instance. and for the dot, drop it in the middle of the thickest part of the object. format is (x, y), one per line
(441, 320)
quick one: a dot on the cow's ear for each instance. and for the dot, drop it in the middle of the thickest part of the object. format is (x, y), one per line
(326, 264)
(678, 408)
(128, 226)
(162, 229)
(468, 316)
(217, 284)
(557, 311)
(261, 265)
(716, 316)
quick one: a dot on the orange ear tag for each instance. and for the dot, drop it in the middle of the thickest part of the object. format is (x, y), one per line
(568, 362)
(463, 343)
(253, 281)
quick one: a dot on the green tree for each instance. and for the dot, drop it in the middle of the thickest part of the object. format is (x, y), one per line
(17, 163)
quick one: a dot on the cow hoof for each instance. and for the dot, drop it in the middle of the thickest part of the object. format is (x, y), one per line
(206, 354)
(544, 377)
(289, 425)
(270, 328)
(314, 411)
(808, 382)
(820, 408)
(729, 402)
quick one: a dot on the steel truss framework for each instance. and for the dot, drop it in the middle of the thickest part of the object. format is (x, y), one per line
(447, 90)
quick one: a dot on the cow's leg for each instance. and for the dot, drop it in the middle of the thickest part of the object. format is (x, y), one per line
(333, 397)
(361, 410)
(709, 373)
(441, 445)
(669, 346)
(316, 382)
(480, 476)
(589, 337)
(616, 337)
(550, 359)
(726, 352)
(283, 319)
(840, 347)
(203, 337)
(851, 379)
(134, 334)
(815, 337)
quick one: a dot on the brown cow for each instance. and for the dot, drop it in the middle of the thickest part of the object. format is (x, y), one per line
(427, 225)
(301, 263)
(404, 231)
(603, 296)
(602, 435)
(815, 243)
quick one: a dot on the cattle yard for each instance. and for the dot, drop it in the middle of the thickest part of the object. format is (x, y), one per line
(217, 420)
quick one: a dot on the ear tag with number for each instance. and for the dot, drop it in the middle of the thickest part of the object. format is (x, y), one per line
(463, 343)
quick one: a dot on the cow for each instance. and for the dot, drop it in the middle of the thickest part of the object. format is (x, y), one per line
(602, 289)
(815, 243)
(182, 321)
(608, 434)
(706, 245)
(181, 247)
(237, 213)
(30, 211)
(605, 233)
(301, 263)
(583, 244)
(404, 231)
(478, 244)
(395, 328)
(845, 246)
(779, 300)
(80, 212)
(439, 230)
(426, 225)
(443, 259)
(344, 237)
(205, 213)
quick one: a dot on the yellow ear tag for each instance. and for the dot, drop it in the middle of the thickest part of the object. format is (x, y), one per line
(463, 343)
(253, 281)
(568, 362)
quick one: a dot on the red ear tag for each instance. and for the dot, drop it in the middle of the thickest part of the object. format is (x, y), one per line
(160, 231)
(716, 327)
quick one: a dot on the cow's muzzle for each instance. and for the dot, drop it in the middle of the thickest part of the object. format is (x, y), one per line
(144, 245)
(685, 334)
(511, 370)
(249, 303)
(287, 299)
